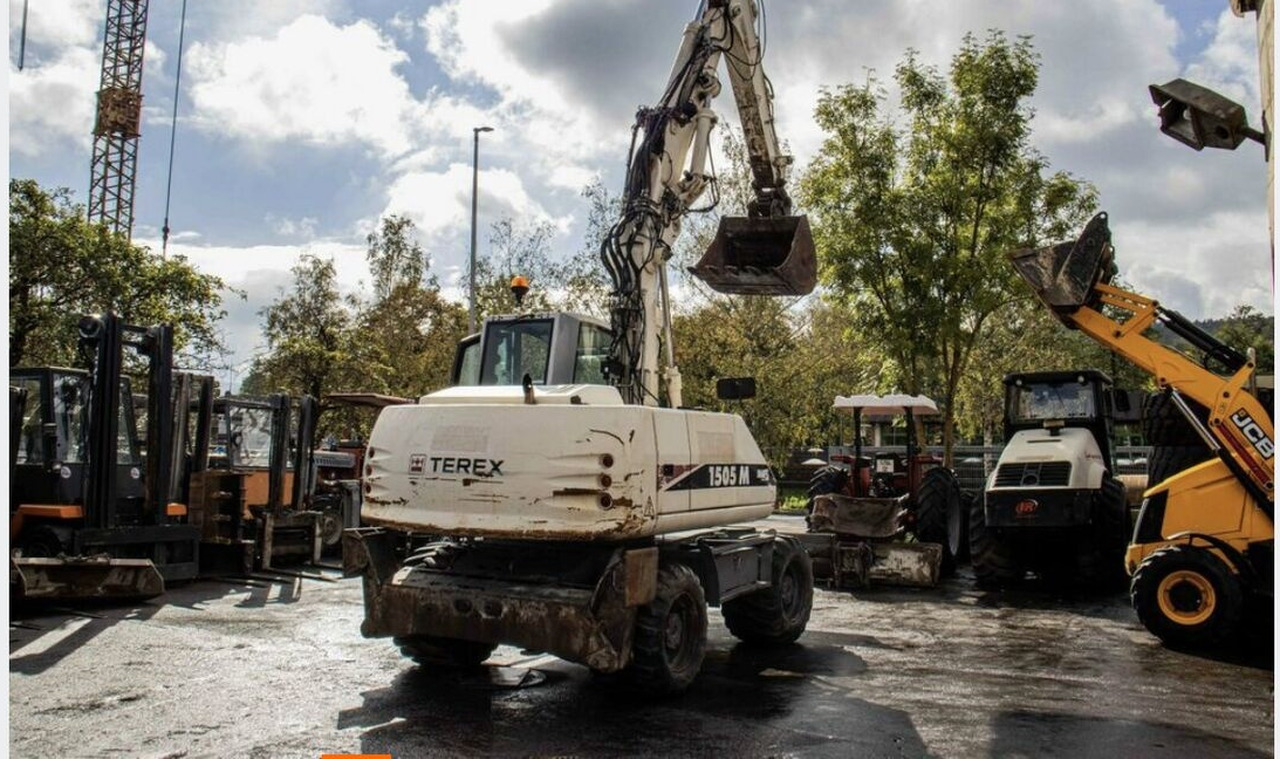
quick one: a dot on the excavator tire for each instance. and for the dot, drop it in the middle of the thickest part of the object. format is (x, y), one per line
(776, 615)
(994, 564)
(940, 515)
(1188, 598)
(432, 651)
(671, 634)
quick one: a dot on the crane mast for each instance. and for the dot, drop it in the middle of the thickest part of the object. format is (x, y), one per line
(119, 117)
(667, 173)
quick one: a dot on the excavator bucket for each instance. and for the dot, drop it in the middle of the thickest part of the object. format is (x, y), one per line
(84, 579)
(760, 256)
(1064, 275)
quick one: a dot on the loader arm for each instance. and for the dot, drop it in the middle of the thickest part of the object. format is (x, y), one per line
(1073, 281)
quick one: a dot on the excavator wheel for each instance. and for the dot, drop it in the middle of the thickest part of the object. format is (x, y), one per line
(939, 515)
(776, 615)
(40, 542)
(994, 564)
(671, 634)
(1188, 597)
(431, 651)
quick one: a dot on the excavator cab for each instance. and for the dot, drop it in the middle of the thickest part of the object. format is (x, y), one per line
(760, 256)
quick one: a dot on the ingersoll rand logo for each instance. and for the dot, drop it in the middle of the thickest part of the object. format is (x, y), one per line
(1254, 433)
(1026, 507)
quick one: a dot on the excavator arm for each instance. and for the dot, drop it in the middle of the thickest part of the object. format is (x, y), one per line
(1073, 280)
(767, 253)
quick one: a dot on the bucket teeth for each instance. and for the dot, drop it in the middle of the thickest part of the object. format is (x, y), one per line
(760, 256)
(1063, 275)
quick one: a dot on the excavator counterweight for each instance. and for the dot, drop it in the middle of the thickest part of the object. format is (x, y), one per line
(760, 256)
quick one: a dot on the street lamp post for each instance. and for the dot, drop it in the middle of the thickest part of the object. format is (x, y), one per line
(475, 181)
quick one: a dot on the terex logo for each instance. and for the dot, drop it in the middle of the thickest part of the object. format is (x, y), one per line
(420, 462)
(1254, 433)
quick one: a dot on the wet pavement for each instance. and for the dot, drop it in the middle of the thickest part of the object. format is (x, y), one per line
(279, 669)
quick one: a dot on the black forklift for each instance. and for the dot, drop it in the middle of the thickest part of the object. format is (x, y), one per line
(97, 509)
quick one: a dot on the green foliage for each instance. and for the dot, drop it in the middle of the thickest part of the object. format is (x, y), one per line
(61, 266)
(1246, 328)
(913, 216)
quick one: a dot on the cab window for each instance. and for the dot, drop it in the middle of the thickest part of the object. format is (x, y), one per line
(593, 351)
(514, 349)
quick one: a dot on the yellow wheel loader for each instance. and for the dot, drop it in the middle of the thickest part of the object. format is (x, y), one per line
(1204, 541)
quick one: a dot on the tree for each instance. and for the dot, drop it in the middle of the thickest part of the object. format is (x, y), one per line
(408, 329)
(913, 216)
(61, 267)
(1246, 328)
(311, 346)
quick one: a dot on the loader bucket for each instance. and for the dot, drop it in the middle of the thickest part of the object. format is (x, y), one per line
(1063, 276)
(760, 256)
(85, 579)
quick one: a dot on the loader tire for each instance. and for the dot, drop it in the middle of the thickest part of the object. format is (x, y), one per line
(1188, 598)
(671, 634)
(432, 651)
(1163, 423)
(1165, 461)
(775, 615)
(994, 564)
(40, 542)
(940, 516)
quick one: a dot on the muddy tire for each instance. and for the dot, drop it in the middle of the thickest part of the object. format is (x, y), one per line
(1167, 460)
(40, 542)
(431, 651)
(940, 516)
(671, 634)
(994, 564)
(1188, 598)
(776, 615)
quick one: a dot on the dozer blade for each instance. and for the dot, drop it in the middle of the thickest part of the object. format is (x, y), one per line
(1064, 275)
(84, 579)
(760, 256)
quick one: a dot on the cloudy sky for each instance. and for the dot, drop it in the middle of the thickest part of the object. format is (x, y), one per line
(301, 122)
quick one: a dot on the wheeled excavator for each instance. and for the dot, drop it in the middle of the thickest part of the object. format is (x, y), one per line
(587, 513)
(1204, 541)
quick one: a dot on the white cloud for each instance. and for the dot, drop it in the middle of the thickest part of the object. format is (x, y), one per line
(51, 106)
(1229, 64)
(313, 81)
(53, 24)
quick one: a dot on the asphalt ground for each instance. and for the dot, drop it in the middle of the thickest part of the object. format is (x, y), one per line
(279, 669)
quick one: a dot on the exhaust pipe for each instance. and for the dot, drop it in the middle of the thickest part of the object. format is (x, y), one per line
(1063, 276)
(760, 256)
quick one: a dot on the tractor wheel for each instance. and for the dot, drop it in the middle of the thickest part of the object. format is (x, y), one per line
(671, 633)
(940, 517)
(1163, 423)
(1167, 460)
(828, 479)
(777, 614)
(432, 651)
(40, 542)
(994, 564)
(1101, 561)
(1187, 597)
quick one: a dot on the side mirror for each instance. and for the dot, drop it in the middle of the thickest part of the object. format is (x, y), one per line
(736, 388)
(1198, 117)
